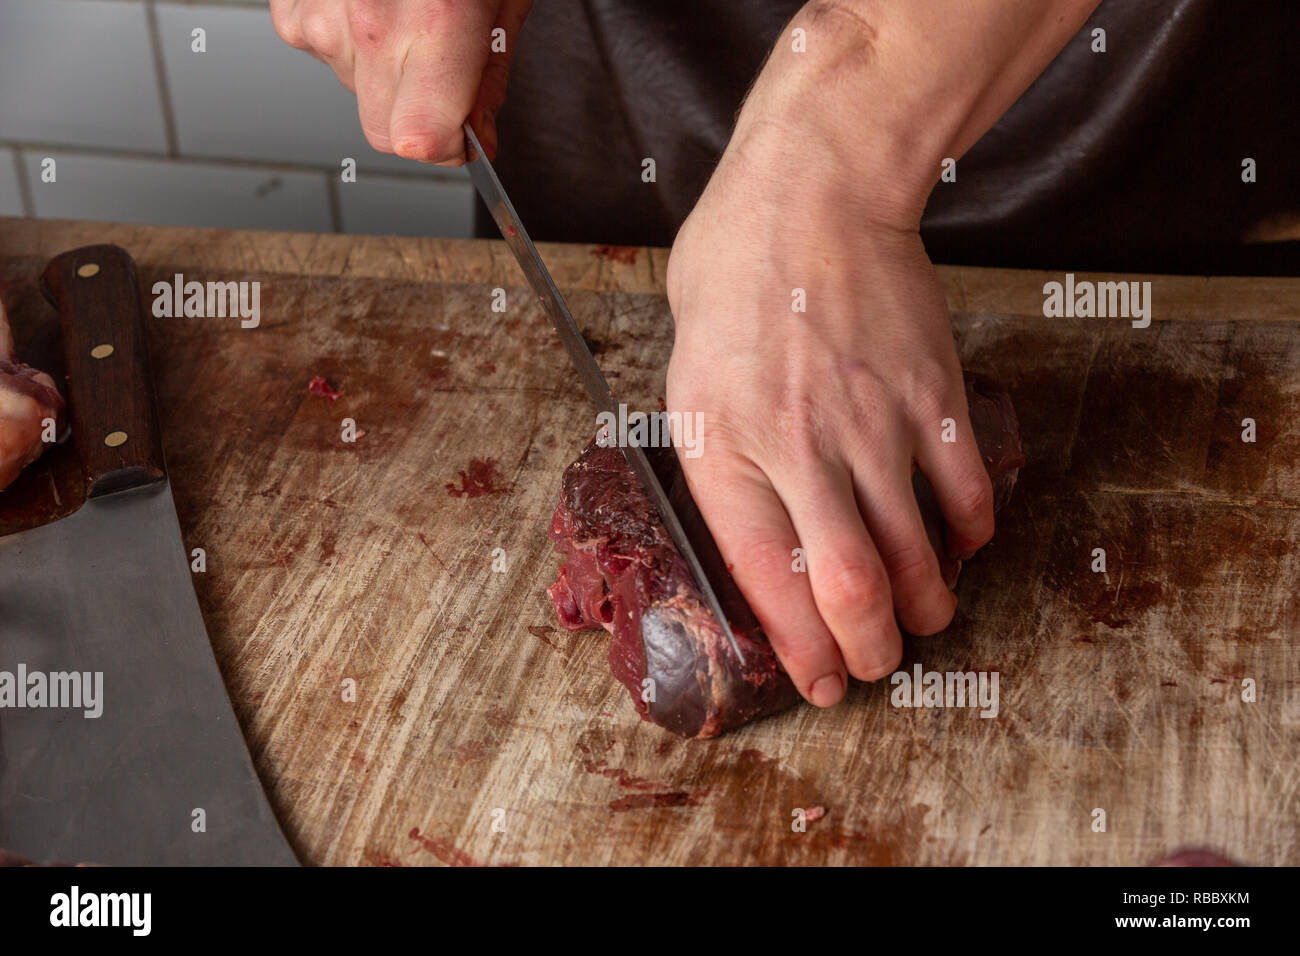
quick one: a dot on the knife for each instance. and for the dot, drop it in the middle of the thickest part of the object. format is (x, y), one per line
(162, 775)
(539, 278)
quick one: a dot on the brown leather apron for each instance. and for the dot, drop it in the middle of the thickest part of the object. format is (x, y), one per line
(1125, 160)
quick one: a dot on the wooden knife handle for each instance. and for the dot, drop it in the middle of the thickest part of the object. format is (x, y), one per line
(110, 390)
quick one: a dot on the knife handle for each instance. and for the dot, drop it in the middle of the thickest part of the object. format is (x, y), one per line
(110, 390)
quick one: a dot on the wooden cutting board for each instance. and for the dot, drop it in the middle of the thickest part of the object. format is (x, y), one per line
(480, 733)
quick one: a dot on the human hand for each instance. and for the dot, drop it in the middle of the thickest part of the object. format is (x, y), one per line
(419, 68)
(814, 421)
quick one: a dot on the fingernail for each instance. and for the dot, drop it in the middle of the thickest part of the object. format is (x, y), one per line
(827, 691)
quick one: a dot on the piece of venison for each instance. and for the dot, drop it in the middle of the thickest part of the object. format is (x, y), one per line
(624, 574)
(28, 398)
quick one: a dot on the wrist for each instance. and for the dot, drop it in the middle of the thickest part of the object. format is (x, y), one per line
(859, 183)
(837, 107)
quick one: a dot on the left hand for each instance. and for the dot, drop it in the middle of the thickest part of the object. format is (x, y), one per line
(814, 421)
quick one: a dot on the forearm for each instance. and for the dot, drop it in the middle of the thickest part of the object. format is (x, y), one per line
(884, 91)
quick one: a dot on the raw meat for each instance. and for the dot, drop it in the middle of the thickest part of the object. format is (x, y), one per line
(624, 574)
(27, 398)
(1196, 857)
(997, 432)
(319, 386)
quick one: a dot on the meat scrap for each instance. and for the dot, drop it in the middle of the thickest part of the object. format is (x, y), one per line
(1197, 856)
(624, 574)
(319, 386)
(27, 399)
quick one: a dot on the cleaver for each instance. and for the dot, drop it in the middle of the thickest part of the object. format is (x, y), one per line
(118, 744)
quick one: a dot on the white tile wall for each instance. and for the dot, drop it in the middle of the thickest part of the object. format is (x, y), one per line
(174, 193)
(252, 96)
(11, 200)
(80, 79)
(78, 72)
(384, 206)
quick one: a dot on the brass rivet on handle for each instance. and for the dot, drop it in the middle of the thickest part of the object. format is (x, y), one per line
(101, 351)
(88, 270)
(113, 439)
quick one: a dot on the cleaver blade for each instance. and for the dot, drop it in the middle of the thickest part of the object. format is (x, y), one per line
(107, 591)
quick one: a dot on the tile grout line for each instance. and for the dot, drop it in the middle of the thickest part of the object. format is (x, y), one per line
(421, 175)
(160, 74)
(25, 195)
(335, 201)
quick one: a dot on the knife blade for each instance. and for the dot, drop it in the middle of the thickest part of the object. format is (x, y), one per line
(539, 279)
(162, 775)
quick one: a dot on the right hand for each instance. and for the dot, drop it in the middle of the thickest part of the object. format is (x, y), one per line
(419, 68)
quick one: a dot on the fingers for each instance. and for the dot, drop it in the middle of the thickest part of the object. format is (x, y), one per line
(755, 536)
(492, 91)
(921, 601)
(441, 72)
(373, 28)
(848, 579)
(418, 68)
(287, 25)
(961, 483)
(318, 28)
